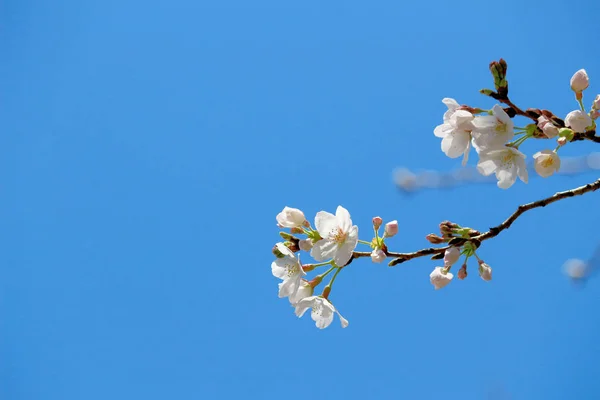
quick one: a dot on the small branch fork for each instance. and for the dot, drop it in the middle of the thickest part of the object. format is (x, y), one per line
(492, 232)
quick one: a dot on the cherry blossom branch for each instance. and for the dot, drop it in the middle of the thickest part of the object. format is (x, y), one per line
(492, 232)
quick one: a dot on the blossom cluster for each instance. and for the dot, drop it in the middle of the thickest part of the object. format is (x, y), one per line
(332, 244)
(496, 139)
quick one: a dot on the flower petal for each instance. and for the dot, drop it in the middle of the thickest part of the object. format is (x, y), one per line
(506, 176)
(304, 305)
(323, 250)
(343, 218)
(325, 223)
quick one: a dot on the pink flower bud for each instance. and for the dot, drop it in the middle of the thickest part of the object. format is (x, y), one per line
(462, 272)
(451, 256)
(377, 221)
(562, 141)
(485, 271)
(391, 228)
(434, 239)
(580, 81)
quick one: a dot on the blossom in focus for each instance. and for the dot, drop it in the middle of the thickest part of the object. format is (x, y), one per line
(304, 290)
(546, 163)
(322, 311)
(290, 218)
(289, 269)
(507, 163)
(339, 237)
(492, 131)
(456, 134)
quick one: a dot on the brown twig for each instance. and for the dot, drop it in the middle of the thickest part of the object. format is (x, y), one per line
(492, 232)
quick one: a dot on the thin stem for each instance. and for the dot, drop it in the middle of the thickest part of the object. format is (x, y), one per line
(324, 274)
(321, 264)
(364, 242)
(580, 101)
(333, 277)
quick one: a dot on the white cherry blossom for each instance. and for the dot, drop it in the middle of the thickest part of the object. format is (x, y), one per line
(290, 218)
(322, 311)
(506, 162)
(456, 133)
(546, 163)
(339, 237)
(304, 290)
(492, 131)
(289, 269)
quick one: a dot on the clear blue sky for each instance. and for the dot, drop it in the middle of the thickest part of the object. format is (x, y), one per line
(147, 146)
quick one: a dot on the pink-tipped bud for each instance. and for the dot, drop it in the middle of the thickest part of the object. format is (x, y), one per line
(462, 272)
(485, 271)
(391, 228)
(547, 127)
(562, 141)
(580, 81)
(451, 256)
(377, 221)
(296, 230)
(434, 239)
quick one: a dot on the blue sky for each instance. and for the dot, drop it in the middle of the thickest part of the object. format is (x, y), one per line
(147, 146)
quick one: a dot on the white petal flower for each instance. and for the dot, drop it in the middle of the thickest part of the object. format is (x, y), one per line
(580, 81)
(451, 256)
(546, 163)
(452, 107)
(439, 278)
(322, 311)
(290, 218)
(492, 131)
(578, 121)
(304, 290)
(289, 269)
(506, 162)
(377, 256)
(485, 271)
(339, 237)
(456, 134)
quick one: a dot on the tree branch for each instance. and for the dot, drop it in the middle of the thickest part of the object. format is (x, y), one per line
(492, 232)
